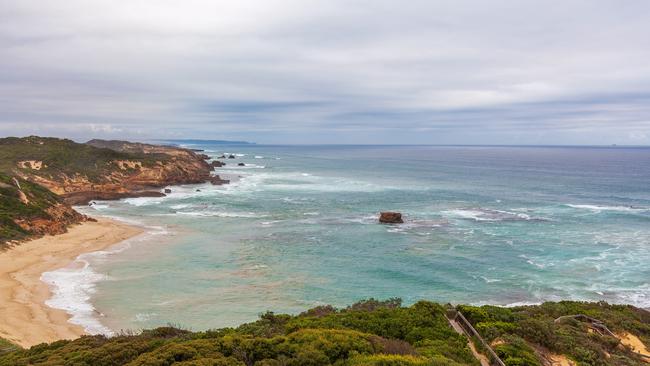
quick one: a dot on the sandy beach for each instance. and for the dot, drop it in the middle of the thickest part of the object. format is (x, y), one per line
(24, 317)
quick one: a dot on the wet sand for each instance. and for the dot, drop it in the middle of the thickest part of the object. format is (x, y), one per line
(24, 318)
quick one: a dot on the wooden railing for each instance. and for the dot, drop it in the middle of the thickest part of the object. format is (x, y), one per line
(471, 333)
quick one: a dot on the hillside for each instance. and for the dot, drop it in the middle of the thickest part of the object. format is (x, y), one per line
(82, 172)
(29, 210)
(369, 333)
(532, 335)
(40, 177)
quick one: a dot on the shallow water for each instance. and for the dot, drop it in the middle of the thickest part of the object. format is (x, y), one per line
(297, 228)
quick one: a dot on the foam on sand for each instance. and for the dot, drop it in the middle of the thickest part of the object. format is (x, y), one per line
(31, 321)
(72, 289)
(74, 285)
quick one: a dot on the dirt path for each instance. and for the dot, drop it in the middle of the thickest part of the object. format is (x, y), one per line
(635, 345)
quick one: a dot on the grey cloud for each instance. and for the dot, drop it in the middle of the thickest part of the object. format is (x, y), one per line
(314, 71)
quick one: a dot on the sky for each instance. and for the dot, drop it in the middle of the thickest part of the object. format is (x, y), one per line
(330, 71)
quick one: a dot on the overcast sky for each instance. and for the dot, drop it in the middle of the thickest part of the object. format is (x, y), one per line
(409, 71)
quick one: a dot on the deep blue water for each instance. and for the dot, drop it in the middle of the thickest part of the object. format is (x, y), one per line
(298, 227)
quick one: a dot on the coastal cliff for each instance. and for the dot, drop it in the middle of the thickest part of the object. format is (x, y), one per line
(58, 173)
(29, 210)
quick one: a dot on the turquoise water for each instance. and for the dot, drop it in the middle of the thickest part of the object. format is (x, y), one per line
(297, 228)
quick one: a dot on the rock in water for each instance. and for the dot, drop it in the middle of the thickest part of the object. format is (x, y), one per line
(217, 181)
(241, 164)
(231, 156)
(391, 218)
(167, 190)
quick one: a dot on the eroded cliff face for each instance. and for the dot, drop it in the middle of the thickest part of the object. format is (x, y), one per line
(148, 167)
(41, 177)
(59, 217)
(28, 210)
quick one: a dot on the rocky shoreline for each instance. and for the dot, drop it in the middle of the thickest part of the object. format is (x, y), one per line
(172, 166)
(77, 174)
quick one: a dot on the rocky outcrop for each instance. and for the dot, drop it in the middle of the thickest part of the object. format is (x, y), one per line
(389, 217)
(28, 210)
(41, 177)
(114, 169)
(59, 217)
(217, 164)
(217, 181)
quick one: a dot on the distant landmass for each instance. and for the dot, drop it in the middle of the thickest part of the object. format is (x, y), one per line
(215, 142)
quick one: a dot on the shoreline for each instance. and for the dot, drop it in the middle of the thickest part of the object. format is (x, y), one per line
(25, 319)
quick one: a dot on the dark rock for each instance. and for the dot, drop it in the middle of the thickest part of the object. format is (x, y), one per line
(167, 190)
(221, 157)
(241, 164)
(217, 181)
(391, 218)
(203, 156)
(217, 164)
(198, 190)
(231, 156)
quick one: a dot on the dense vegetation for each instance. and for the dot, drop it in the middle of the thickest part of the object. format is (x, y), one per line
(12, 208)
(369, 333)
(520, 334)
(64, 156)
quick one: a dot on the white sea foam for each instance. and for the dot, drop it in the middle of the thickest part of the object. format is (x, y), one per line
(73, 286)
(72, 289)
(532, 262)
(143, 201)
(522, 303)
(259, 157)
(245, 166)
(480, 214)
(489, 280)
(251, 181)
(180, 206)
(98, 206)
(597, 208)
(143, 317)
(221, 214)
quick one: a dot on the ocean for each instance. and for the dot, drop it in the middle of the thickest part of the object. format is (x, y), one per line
(298, 227)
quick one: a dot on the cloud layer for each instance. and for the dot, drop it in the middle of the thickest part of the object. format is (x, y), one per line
(497, 72)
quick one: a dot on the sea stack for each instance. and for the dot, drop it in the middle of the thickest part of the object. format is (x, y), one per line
(388, 217)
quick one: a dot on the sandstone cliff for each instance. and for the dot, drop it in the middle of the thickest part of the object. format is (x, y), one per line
(41, 177)
(28, 210)
(101, 169)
